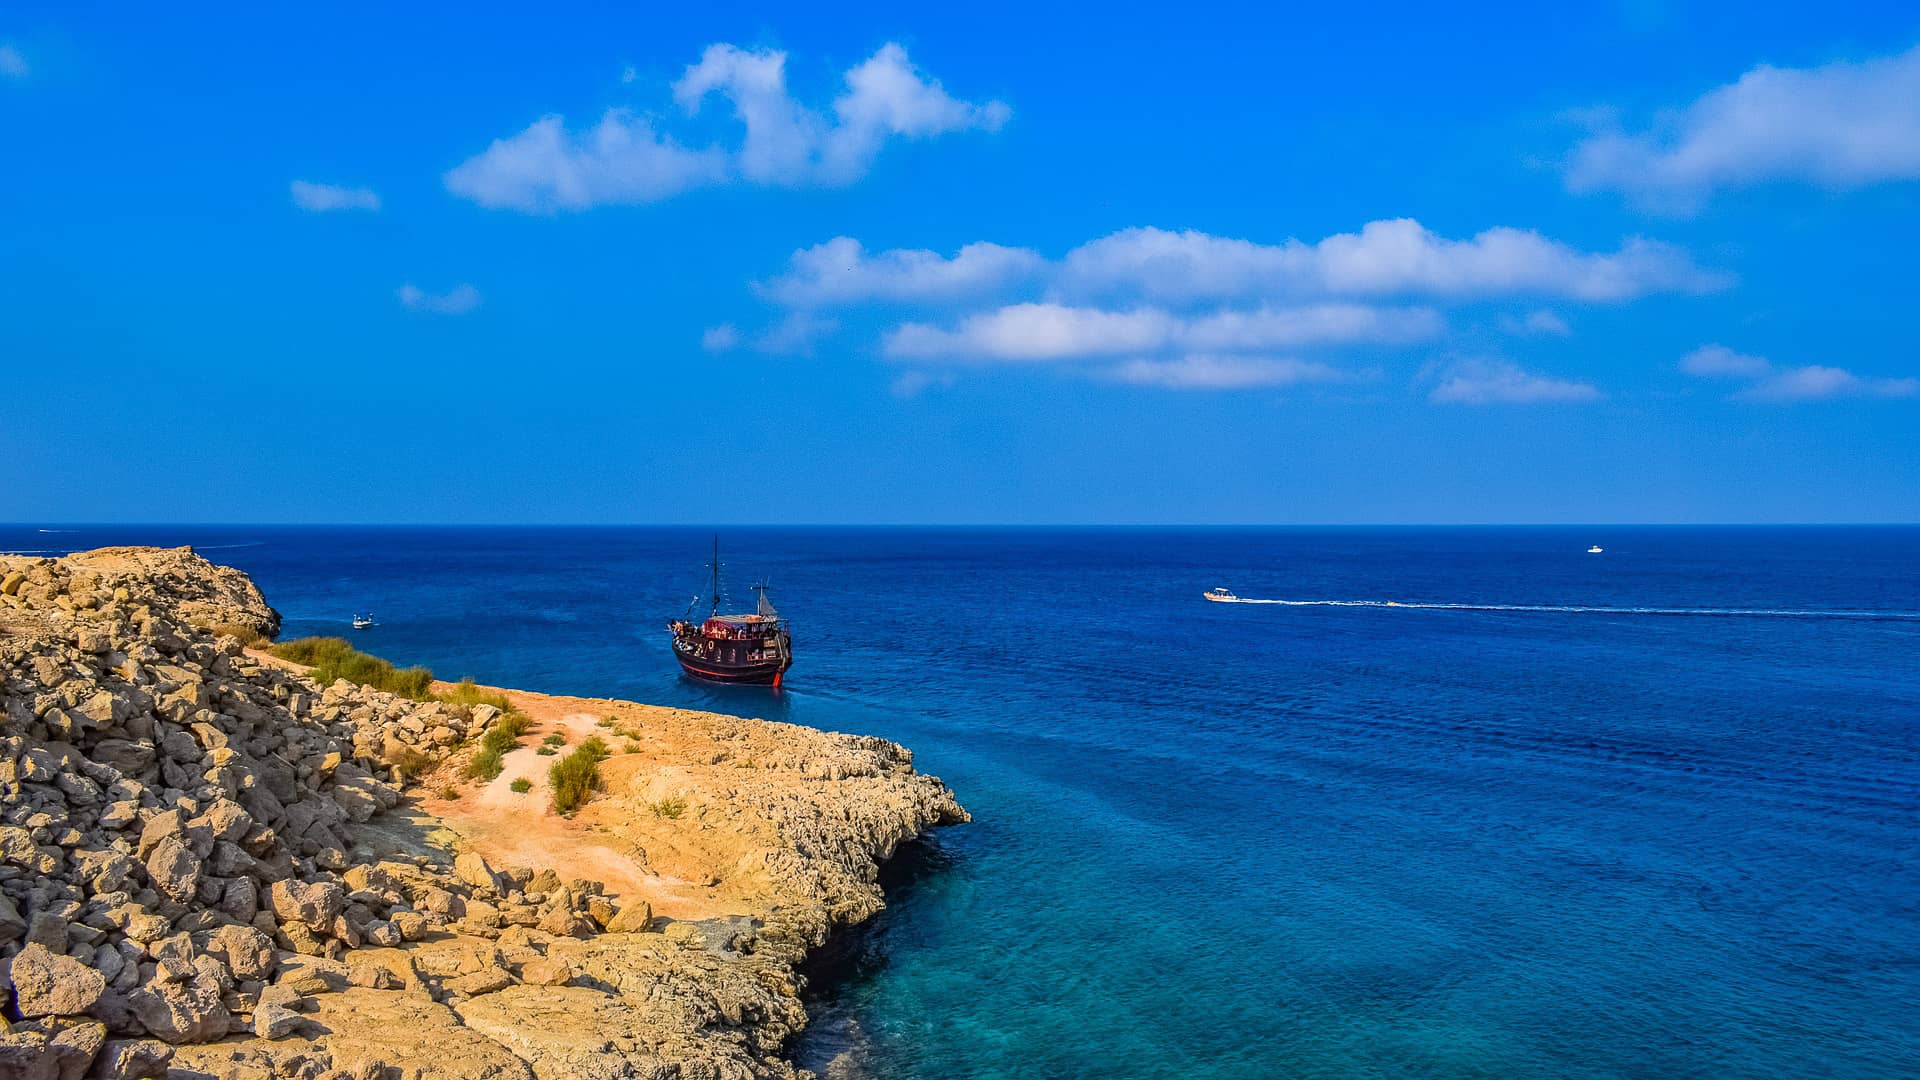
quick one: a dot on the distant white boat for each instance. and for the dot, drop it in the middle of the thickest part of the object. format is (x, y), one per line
(361, 622)
(1222, 595)
(1594, 550)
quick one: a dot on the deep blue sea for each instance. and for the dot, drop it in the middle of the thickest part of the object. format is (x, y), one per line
(1218, 840)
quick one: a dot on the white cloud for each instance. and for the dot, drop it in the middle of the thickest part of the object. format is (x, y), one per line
(1384, 257)
(621, 161)
(1535, 324)
(1207, 372)
(12, 64)
(840, 271)
(1499, 382)
(1766, 382)
(911, 384)
(1817, 383)
(720, 338)
(1842, 125)
(795, 335)
(1051, 332)
(456, 301)
(625, 160)
(323, 197)
(1718, 361)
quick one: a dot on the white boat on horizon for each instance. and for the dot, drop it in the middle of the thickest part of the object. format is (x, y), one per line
(361, 622)
(1221, 595)
(1594, 550)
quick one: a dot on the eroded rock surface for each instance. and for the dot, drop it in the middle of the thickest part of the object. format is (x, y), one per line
(210, 863)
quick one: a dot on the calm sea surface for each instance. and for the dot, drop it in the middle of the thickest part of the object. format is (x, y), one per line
(1257, 840)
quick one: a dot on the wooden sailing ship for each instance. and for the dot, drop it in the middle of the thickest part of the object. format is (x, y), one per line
(754, 649)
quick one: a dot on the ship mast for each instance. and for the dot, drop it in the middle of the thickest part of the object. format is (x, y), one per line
(716, 574)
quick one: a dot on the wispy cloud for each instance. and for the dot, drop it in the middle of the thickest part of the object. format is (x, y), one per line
(323, 197)
(1205, 372)
(1481, 381)
(722, 338)
(1536, 324)
(12, 64)
(840, 271)
(1053, 332)
(458, 300)
(1841, 125)
(796, 334)
(1719, 362)
(1765, 381)
(1398, 256)
(624, 159)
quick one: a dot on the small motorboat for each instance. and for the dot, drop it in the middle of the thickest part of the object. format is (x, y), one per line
(361, 622)
(1221, 595)
(1594, 550)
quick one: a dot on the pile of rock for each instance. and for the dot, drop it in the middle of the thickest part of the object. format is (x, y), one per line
(177, 819)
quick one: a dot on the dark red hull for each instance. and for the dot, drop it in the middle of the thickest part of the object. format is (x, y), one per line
(724, 661)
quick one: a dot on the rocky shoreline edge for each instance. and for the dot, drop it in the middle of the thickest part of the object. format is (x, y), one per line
(212, 866)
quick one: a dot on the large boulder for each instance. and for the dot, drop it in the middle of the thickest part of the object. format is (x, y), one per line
(175, 870)
(182, 1012)
(313, 904)
(49, 985)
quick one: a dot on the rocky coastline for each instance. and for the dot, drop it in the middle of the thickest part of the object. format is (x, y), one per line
(212, 866)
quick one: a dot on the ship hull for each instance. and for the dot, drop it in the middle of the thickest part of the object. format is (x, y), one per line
(721, 668)
(751, 675)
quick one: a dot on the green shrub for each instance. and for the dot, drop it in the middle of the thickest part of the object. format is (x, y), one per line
(521, 786)
(449, 792)
(606, 721)
(596, 746)
(545, 751)
(574, 778)
(410, 762)
(465, 692)
(485, 765)
(248, 635)
(670, 808)
(555, 739)
(335, 658)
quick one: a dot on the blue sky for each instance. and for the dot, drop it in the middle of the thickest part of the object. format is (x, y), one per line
(1641, 262)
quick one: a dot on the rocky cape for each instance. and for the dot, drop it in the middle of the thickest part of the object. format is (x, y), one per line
(211, 866)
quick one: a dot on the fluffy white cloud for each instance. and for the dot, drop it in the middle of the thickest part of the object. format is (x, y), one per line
(841, 271)
(1052, 332)
(323, 197)
(1841, 125)
(12, 64)
(456, 301)
(1207, 372)
(1384, 257)
(1812, 382)
(1499, 382)
(625, 160)
(545, 168)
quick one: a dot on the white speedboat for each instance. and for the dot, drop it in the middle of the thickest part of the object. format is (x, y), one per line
(361, 622)
(1594, 550)
(1222, 595)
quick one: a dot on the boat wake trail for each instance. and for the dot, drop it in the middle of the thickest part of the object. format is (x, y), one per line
(1586, 609)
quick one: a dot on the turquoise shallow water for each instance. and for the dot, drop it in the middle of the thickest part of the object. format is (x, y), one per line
(1249, 841)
